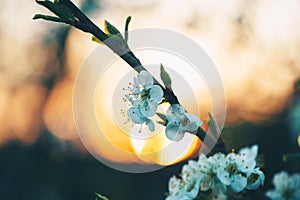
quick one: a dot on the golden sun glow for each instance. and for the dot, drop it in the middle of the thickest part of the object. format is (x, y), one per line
(148, 147)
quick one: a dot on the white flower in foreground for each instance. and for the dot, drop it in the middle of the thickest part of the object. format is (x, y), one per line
(191, 177)
(211, 176)
(208, 169)
(177, 190)
(240, 172)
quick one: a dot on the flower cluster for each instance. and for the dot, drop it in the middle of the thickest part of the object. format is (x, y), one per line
(216, 173)
(286, 187)
(145, 97)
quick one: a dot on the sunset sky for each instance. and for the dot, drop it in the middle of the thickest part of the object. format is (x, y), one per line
(255, 46)
(256, 53)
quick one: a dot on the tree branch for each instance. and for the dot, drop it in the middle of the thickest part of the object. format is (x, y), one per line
(82, 22)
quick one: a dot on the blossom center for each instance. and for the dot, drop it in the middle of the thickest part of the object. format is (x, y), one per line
(232, 169)
(253, 177)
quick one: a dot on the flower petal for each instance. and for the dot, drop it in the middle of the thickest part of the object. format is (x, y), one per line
(172, 131)
(250, 153)
(202, 159)
(280, 180)
(245, 164)
(148, 109)
(174, 112)
(217, 161)
(294, 182)
(238, 182)
(273, 194)
(134, 115)
(150, 124)
(255, 179)
(190, 122)
(192, 187)
(156, 94)
(145, 79)
(175, 186)
(135, 87)
(224, 176)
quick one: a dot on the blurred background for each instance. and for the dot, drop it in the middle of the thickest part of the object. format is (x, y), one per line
(254, 44)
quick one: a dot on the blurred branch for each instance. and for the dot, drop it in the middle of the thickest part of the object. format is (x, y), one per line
(56, 39)
(100, 197)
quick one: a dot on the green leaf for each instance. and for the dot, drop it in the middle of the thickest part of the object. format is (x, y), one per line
(111, 29)
(162, 116)
(100, 197)
(48, 18)
(58, 9)
(161, 122)
(214, 127)
(113, 32)
(165, 77)
(126, 28)
(95, 39)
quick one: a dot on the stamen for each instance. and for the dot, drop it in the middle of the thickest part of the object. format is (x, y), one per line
(127, 89)
(122, 112)
(127, 121)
